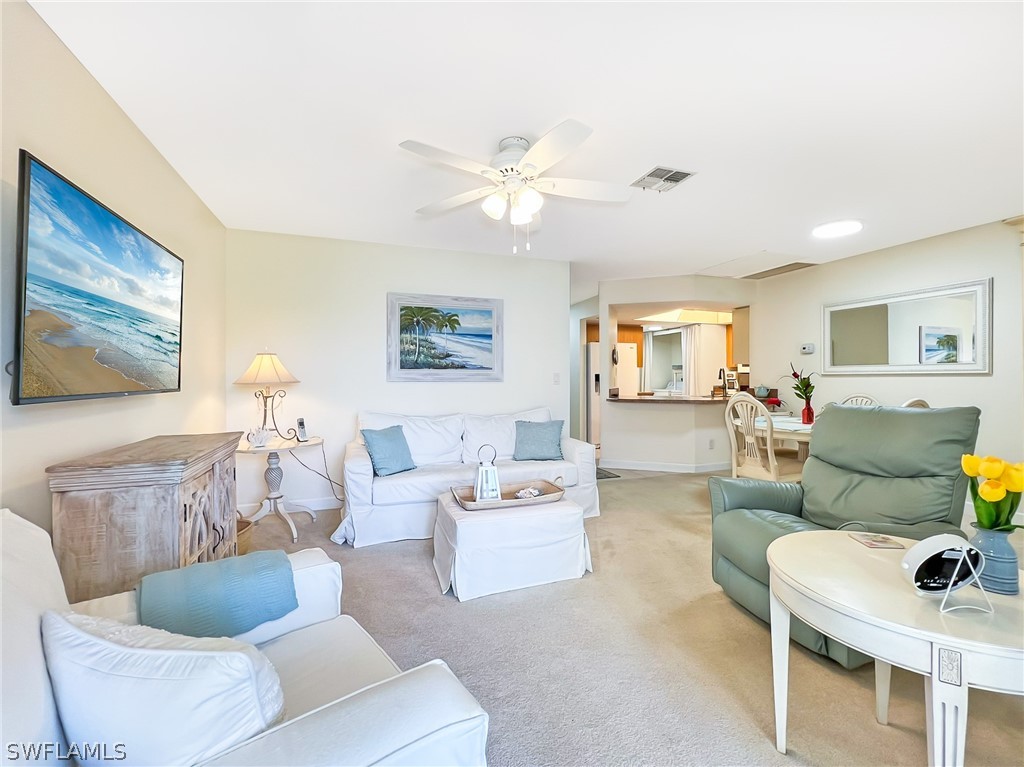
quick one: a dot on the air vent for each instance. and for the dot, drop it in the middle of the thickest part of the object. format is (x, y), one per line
(661, 179)
(793, 267)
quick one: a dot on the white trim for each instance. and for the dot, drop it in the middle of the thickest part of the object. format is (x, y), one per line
(675, 468)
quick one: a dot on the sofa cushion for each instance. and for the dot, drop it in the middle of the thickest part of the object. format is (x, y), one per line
(743, 535)
(314, 679)
(496, 430)
(431, 439)
(566, 472)
(388, 449)
(157, 692)
(910, 475)
(538, 441)
(424, 483)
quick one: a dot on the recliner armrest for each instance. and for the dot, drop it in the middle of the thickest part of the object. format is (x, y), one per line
(728, 493)
(422, 716)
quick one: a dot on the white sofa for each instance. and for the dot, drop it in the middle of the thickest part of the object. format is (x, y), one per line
(444, 449)
(345, 700)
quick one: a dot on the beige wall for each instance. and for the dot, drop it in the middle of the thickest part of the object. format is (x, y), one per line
(53, 108)
(787, 313)
(321, 306)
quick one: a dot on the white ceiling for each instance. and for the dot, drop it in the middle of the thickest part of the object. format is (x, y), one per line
(286, 117)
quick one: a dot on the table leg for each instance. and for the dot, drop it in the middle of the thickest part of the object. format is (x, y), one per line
(945, 695)
(283, 514)
(780, 666)
(883, 676)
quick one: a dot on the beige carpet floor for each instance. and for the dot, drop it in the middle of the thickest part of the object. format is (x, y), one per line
(643, 662)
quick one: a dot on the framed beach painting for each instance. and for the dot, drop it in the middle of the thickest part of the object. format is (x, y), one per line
(939, 345)
(99, 301)
(444, 338)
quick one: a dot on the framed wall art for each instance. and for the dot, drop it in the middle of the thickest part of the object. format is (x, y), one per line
(444, 338)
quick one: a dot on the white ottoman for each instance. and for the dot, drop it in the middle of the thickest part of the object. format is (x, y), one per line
(485, 552)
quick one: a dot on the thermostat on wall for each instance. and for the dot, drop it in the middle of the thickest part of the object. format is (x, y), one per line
(807, 349)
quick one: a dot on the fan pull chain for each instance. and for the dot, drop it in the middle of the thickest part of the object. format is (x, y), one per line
(527, 236)
(515, 247)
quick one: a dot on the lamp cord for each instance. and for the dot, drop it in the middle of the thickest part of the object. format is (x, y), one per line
(326, 474)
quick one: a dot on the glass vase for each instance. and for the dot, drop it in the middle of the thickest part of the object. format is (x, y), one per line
(1000, 575)
(807, 414)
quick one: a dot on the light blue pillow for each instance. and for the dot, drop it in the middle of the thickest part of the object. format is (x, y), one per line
(388, 449)
(538, 441)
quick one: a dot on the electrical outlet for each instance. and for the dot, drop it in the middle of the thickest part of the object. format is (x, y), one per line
(711, 444)
(557, 379)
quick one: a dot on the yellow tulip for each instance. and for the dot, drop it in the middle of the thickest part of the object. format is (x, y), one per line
(991, 467)
(1013, 478)
(992, 490)
(970, 464)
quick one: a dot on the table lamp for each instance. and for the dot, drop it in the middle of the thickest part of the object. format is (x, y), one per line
(267, 371)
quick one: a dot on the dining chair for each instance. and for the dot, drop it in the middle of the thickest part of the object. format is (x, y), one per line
(754, 456)
(916, 402)
(860, 399)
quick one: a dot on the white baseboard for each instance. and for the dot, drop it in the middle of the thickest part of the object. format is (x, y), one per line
(675, 468)
(316, 504)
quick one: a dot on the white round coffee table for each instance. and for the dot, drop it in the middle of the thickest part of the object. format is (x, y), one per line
(860, 597)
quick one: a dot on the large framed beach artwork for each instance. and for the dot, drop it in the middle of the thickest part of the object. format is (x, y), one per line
(99, 302)
(444, 338)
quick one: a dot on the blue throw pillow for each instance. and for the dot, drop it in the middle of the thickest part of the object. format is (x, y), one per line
(538, 441)
(389, 452)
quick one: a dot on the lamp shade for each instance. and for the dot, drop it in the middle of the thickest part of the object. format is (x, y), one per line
(494, 205)
(530, 200)
(266, 369)
(519, 216)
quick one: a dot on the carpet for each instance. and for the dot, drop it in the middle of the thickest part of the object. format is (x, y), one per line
(605, 474)
(642, 662)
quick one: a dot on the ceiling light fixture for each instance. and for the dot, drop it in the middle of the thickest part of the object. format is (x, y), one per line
(837, 229)
(530, 200)
(494, 205)
(519, 215)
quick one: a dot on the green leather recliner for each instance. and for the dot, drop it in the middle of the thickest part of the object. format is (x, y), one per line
(885, 470)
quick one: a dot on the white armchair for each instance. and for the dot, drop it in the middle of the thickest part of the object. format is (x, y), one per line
(346, 702)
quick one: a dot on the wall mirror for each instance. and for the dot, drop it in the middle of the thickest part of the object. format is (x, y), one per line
(939, 331)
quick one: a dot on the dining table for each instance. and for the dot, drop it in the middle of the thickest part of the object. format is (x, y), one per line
(790, 427)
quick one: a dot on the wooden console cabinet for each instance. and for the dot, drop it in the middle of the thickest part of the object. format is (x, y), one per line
(158, 504)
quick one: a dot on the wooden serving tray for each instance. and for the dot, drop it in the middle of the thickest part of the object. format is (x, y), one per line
(550, 492)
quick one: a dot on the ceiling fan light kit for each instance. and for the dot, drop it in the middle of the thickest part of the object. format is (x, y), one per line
(494, 205)
(515, 176)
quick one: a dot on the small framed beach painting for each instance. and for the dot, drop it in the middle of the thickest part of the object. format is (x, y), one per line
(939, 345)
(444, 338)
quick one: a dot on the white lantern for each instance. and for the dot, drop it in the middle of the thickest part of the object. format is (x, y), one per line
(487, 487)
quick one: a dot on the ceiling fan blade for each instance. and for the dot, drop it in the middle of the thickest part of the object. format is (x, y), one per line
(555, 145)
(448, 158)
(447, 204)
(584, 190)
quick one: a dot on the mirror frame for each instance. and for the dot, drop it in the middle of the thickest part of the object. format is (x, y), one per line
(982, 365)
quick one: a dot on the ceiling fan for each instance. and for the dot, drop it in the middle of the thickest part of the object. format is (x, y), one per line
(514, 175)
